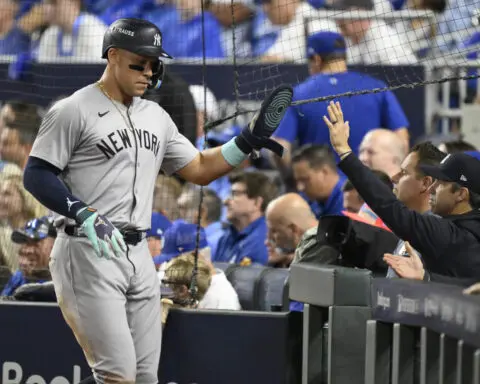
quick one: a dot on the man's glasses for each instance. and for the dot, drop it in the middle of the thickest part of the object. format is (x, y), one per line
(234, 194)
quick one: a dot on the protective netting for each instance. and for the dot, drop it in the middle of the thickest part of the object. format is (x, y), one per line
(228, 56)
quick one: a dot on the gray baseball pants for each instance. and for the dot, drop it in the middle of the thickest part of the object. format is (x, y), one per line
(112, 307)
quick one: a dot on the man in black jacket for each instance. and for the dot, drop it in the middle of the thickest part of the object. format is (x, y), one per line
(450, 245)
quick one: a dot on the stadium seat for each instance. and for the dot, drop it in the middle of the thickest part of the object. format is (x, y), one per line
(5, 275)
(39, 292)
(244, 280)
(270, 289)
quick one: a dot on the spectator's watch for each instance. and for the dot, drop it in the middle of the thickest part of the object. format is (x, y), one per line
(426, 276)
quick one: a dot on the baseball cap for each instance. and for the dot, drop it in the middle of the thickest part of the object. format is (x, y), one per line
(160, 224)
(459, 168)
(214, 138)
(325, 43)
(35, 230)
(181, 237)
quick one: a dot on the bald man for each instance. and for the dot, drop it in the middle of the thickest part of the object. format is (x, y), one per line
(382, 150)
(288, 218)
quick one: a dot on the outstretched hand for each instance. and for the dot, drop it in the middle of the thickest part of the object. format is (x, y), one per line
(339, 129)
(408, 267)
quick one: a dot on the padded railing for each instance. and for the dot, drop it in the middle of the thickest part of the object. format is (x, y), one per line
(337, 307)
(422, 333)
(382, 331)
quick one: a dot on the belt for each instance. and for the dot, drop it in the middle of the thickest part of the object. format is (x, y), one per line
(131, 236)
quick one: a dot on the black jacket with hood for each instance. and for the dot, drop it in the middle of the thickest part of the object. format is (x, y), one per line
(449, 246)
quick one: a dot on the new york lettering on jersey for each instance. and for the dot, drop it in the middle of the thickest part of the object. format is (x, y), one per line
(121, 139)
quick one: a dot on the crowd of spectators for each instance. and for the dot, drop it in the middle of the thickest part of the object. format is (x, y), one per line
(271, 30)
(268, 208)
(251, 216)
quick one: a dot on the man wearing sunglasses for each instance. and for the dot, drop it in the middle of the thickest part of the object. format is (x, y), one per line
(94, 163)
(36, 242)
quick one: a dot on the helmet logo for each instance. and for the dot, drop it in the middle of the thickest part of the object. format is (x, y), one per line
(157, 40)
(123, 31)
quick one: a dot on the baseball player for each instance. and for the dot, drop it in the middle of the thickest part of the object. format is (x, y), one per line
(94, 163)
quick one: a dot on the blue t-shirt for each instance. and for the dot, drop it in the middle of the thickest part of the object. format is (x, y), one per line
(364, 112)
(214, 233)
(14, 42)
(333, 205)
(234, 246)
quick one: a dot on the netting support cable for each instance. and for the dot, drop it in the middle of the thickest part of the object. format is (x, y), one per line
(350, 94)
(236, 75)
(193, 283)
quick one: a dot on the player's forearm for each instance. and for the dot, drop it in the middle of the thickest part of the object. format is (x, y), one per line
(41, 180)
(213, 165)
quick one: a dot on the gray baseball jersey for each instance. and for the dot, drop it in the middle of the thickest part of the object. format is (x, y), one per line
(110, 157)
(85, 136)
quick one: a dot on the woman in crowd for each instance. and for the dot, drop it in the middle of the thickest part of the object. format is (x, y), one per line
(17, 206)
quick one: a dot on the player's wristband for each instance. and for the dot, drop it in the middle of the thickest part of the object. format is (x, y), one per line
(84, 213)
(232, 154)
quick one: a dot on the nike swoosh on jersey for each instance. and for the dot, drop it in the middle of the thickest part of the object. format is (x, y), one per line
(102, 114)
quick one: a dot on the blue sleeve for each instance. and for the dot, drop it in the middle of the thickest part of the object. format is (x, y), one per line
(288, 128)
(393, 116)
(41, 180)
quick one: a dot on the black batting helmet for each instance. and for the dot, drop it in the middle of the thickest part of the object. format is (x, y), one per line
(140, 37)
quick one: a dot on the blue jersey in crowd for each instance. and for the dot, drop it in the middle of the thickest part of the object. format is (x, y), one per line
(234, 246)
(364, 112)
(333, 205)
(14, 42)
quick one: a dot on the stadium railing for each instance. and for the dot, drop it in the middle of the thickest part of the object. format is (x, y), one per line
(354, 329)
(336, 308)
(390, 330)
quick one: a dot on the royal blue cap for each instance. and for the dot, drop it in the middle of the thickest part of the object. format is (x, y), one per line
(181, 237)
(214, 139)
(35, 230)
(325, 43)
(160, 224)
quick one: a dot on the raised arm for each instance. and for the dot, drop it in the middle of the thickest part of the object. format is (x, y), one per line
(426, 233)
